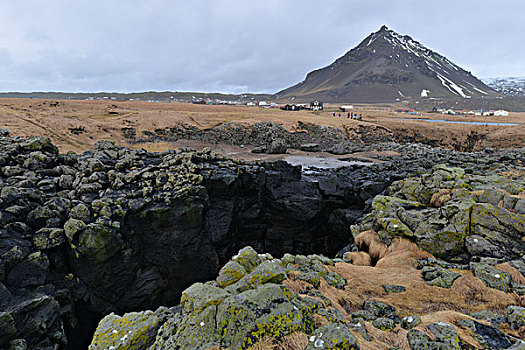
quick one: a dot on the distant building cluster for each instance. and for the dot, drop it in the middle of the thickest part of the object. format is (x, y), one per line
(479, 112)
(313, 106)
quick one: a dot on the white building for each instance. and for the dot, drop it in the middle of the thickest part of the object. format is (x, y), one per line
(346, 108)
(501, 113)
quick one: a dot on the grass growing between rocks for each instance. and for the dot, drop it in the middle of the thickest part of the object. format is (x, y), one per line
(396, 265)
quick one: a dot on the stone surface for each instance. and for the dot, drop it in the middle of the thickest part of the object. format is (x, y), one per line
(390, 288)
(333, 336)
(516, 316)
(116, 229)
(410, 322)
(445, 338)
(492, 277)
(440, 277)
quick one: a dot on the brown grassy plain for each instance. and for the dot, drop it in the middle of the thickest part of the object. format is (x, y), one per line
(103, 119)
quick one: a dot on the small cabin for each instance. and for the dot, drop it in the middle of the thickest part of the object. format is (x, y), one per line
(316, 105)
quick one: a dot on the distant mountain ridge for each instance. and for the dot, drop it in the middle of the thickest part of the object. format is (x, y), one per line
(387, 66)
(510, 86)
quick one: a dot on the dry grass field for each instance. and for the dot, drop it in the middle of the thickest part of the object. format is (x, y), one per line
(76, 125)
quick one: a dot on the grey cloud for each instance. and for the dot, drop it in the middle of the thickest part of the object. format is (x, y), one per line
(234, 45)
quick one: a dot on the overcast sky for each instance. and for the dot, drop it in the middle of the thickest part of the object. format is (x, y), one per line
(234, 45)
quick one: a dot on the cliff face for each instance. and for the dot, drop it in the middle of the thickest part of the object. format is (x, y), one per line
(392, 288)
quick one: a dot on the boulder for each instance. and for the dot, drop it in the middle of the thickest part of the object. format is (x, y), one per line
(410, 322)
(379, 309)
(492, 277)
(130, 331)
(230, 273)
(384, 324)
(390, 288)
(516, 316)
(438, 276)
(445, 338)
(333, 336)
(486, 336)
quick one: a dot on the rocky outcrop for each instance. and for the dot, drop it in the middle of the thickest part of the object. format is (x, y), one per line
(455, 216)
(114, 230)
(119, 230)
(273, 300)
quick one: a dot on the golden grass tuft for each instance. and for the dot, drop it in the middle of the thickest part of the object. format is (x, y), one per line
(294, 341)
(440, 198)
(358, 258)
(402, 252)
(396, 338)
(369, 241)
(265, 343)
(319, 320)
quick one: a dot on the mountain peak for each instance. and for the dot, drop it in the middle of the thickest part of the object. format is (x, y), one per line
(388, 66)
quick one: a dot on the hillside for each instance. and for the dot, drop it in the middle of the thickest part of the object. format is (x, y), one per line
(387, 66)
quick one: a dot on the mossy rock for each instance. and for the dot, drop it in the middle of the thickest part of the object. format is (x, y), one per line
(384, 324)
(379, 309)
(72, 227)
(48, 238)
(445, 337)
(199, 296)
(516, 316)
(358, 325)
(270, 310)
(383, 205)
(230, 273)
(131, 331)
(332, 315)
(394, 227)
(197, 330)
(390, 288)
(248, 258)
(410, 322)
(334, 280)
(268, 271)
(438, 276)
(493, 278)
(333, 336)
(80, 212)
(99, 242)
(323, 259)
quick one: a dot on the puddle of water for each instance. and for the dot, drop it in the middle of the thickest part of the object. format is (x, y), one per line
(312, 163)
(460, 122)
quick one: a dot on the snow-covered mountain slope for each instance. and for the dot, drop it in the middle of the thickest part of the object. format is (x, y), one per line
(510, 86)
(387, 66)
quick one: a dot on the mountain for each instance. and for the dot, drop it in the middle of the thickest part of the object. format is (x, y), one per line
(510, 86)
(387, 66)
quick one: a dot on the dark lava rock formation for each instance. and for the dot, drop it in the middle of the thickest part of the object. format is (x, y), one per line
(312, 302)
(119, 230)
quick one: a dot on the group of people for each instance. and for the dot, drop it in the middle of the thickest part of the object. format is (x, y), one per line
(351, 115)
